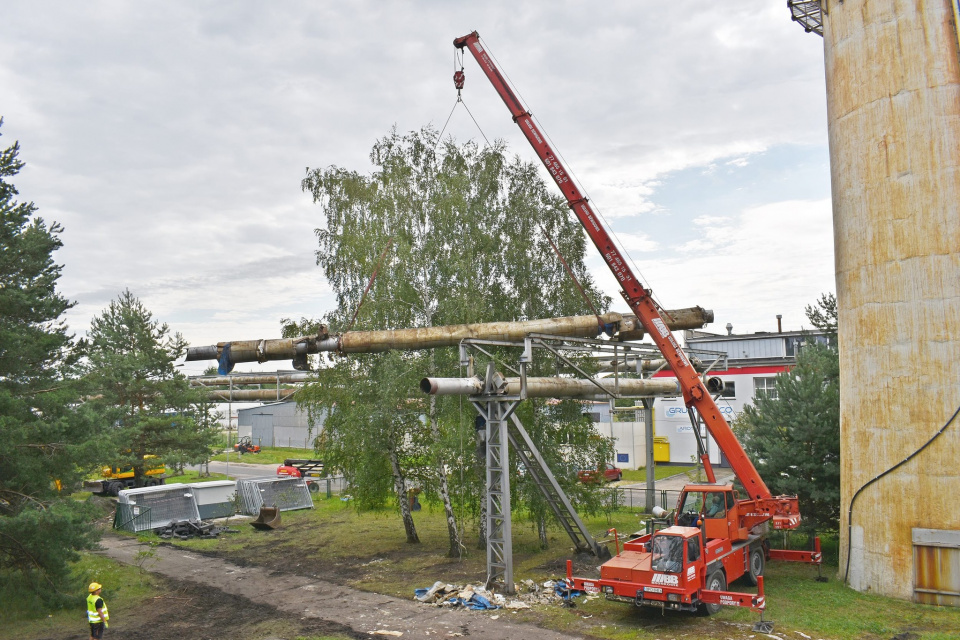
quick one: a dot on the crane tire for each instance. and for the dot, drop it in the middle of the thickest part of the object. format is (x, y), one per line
(756, 565)
(715, 582)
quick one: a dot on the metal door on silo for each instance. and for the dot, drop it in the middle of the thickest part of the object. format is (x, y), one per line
(936, 567)
(261, 429)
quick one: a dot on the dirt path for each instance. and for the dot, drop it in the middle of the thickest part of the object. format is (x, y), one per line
(359, 611)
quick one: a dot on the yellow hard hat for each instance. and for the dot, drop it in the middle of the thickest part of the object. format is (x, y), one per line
(94, 586)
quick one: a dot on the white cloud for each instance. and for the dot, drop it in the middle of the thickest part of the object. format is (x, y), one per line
(170, 140)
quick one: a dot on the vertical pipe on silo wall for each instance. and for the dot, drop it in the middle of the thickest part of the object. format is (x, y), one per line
(893, 94)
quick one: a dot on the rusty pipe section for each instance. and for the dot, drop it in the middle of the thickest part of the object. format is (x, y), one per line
(624, 326)
(249, 395)
(553, 387)
(250, 378)
(629, 365)
(675, 319)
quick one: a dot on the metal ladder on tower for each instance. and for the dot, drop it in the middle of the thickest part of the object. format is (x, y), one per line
(559, 503)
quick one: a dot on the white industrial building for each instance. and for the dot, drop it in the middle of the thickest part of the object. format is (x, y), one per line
(752, 363)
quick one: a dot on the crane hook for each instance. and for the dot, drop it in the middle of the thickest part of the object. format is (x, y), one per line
(458, 78)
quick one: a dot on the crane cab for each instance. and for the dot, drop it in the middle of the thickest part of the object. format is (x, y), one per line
(715, 508)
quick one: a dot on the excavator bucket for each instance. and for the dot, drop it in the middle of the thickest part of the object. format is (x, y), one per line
(268, 518)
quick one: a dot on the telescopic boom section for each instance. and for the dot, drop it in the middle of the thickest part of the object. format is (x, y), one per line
(637, 296)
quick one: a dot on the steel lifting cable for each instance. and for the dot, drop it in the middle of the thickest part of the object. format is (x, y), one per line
(370, 283)
(573, 175)
(573, 277)
(846, 572)
(458, 80)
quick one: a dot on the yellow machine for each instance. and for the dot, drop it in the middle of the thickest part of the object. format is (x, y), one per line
(115, 478)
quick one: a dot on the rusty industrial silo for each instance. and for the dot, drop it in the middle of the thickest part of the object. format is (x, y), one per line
(893, 96)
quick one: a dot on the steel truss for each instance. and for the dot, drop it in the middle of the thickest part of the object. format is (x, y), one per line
(503, 429)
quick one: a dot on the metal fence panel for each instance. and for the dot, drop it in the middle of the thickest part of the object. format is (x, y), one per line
(167, 503)
(287, 494)
(132, 518)
(636, 498)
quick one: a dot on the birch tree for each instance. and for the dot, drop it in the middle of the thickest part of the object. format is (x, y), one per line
(465, 226)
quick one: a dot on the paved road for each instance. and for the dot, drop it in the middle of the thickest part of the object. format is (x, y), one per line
(243, 470)
(362, 611)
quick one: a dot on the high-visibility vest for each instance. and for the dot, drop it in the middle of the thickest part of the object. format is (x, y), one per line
(92, 616)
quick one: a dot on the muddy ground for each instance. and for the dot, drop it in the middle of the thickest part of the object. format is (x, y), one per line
(189, 611)
(216, 598)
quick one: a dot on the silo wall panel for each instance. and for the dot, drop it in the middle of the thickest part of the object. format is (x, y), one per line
(893, 96)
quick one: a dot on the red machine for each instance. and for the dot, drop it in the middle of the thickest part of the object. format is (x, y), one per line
(245, 445)
(310, 470)
(706, 552)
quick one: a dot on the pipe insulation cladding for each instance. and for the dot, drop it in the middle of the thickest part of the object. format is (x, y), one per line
(624, 326)
(555, 387)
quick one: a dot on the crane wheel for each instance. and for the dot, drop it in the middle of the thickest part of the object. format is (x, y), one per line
(716, 582)
(757, 562)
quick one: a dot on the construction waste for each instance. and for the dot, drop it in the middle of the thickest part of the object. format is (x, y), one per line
(185, 529)
(477, 598)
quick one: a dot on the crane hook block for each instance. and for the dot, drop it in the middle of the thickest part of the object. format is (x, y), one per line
(458, 78)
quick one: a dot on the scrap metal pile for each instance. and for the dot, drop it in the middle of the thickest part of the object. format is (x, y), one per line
(186, 529)
(477, 598)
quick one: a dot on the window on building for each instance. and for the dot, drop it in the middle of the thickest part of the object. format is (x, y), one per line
(729, 390)
(765, 387)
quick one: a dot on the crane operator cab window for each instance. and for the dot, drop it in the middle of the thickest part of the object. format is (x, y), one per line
(716, 506)
(667, 554)
(690, 510)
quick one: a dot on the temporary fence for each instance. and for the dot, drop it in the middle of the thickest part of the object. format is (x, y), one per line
(285, 493)
(147, 508)
(636, 497)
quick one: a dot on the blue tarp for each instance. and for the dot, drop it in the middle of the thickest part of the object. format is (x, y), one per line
(565, 592)
(476, 602)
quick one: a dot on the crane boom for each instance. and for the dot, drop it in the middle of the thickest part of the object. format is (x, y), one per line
(637, 296)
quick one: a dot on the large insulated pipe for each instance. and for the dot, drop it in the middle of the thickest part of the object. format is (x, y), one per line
(553, 387)
(629, 365)
(250, 378)
(626, 325)
(249, 395)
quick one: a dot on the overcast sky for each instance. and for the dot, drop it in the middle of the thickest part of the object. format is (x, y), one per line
(170, 139)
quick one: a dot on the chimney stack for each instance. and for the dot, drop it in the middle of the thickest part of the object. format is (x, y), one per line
(779, 326)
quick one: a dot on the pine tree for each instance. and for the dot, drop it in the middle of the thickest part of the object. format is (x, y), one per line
(147, 406)
(794, 438)
(48, 438)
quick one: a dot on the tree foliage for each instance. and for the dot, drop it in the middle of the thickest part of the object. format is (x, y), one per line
(794, 438)
(146, 405)
(465, 226)
(48, 440)
(823, 315)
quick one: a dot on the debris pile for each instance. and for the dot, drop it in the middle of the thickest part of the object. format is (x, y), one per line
(477, 598)
(185, 529)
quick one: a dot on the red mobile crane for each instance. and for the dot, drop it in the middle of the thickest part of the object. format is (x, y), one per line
(716, 537)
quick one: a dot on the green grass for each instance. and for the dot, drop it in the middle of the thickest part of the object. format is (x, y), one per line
(368, 551)
(267, 455)
(123, 587)
(660, 472)
(378, 559)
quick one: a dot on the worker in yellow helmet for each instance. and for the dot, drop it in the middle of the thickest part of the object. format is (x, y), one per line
(97, 614)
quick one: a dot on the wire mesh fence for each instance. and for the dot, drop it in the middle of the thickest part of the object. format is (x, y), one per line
(165, 504)
(287, 494)
(132, 518)
(636, 497)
